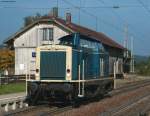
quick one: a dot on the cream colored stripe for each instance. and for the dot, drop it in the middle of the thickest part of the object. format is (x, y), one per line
(74, 80)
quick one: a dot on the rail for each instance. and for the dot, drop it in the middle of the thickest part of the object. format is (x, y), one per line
(54, 110)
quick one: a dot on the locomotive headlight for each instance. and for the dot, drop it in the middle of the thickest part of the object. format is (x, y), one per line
(68, 72)
(37, 70)
(37, 74)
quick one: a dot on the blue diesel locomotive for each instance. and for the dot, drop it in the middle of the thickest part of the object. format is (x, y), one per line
(77, 67)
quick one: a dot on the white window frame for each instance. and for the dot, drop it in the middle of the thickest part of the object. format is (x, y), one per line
(46, 34)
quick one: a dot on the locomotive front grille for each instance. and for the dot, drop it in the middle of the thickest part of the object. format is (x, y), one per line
(53, 65)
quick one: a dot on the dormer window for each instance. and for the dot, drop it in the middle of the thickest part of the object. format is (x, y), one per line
(48, 34)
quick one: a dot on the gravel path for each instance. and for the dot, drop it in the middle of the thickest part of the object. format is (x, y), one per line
(12, 95)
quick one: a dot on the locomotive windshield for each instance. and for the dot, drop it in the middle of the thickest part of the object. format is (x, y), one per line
(67, 40)
(69, 43)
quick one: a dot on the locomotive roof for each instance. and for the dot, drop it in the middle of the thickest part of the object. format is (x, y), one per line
(72, 28)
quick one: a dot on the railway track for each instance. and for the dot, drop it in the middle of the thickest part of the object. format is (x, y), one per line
(43, 110)
(133, 104)
(55, 111)
(47, 110)
(130, 87)
(129, 105)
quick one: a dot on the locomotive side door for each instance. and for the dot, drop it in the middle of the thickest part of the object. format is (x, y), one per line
(101, 66)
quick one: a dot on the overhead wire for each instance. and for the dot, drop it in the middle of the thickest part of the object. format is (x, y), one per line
(144, 6)
(104, 21)
(7, 1)
(75, 7)
(96, 18)
(83, 10)
(129, 33)
(101, 1)
(123, 20)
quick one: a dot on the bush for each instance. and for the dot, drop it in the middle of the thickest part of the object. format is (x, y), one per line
(143, 68)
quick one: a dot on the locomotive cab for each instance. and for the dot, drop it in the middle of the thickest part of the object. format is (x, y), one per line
(53, 63)
(53, 74)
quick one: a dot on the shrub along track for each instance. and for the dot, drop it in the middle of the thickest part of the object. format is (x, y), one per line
(124, 95)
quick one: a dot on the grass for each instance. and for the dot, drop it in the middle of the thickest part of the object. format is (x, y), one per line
(12, 88)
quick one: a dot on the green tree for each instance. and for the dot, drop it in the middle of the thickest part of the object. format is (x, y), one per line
(6, 59)
(30, 19)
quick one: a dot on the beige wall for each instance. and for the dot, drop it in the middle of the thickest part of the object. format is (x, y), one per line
(24, 56)
(33, 37)
(27, 43)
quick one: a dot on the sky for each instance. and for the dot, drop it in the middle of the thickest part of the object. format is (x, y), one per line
(132, 15)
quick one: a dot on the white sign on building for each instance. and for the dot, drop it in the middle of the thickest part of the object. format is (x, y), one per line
(21, 66)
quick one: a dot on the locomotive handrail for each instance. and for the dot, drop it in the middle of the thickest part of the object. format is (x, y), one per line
(81, 93)
(83, 80)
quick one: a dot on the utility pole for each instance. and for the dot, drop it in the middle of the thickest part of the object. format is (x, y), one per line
(57, 3)
(96, 23)
(125, 46)
(126, 40)
(132, 57)
(79, 8)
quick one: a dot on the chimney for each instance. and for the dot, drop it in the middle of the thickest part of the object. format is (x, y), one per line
(54, 12)
(68, 18)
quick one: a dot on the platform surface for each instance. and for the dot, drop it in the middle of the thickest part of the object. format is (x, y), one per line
(5, 96)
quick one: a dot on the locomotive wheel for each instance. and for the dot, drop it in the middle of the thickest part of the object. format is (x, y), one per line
(33, 94)
(74, 101)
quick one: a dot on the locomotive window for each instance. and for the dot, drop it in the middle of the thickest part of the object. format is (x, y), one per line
(47, 34)
(66, 42)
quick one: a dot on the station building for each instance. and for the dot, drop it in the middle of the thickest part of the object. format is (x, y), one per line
(51, 30)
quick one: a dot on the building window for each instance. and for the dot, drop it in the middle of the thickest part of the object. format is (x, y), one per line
(48, 34)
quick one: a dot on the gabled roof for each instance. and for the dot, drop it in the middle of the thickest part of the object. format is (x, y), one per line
(71, 27)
